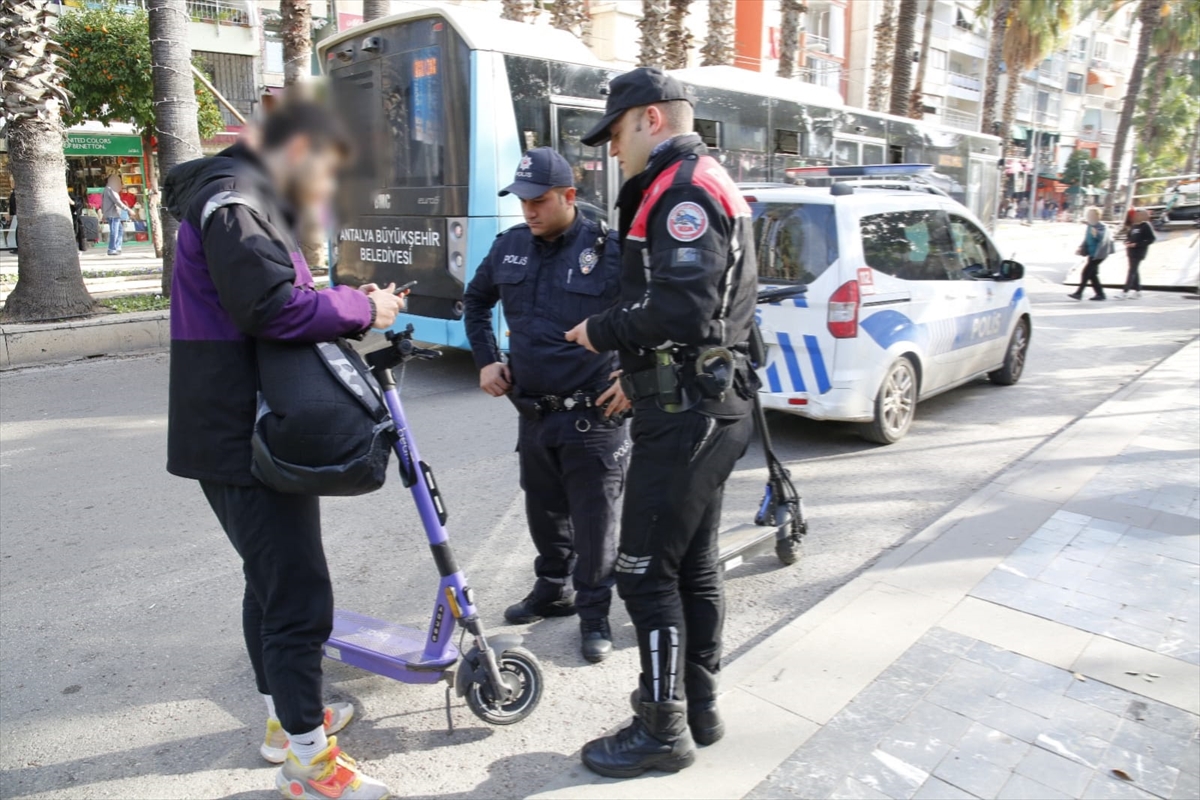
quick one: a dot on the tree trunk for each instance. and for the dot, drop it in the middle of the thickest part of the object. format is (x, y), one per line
(678, 38)
(720, 45)
(916, 104)
(995, 59)
(789, 36)
(372, 9)
(1149, 16)
(296, 27)
(49, 282)
(1009, 111)
(516, 10)
(906, 36)
(175, 106)
(572, 16)
(885, 50)
(652, 24)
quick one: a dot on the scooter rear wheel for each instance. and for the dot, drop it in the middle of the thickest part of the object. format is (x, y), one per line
(522, 675)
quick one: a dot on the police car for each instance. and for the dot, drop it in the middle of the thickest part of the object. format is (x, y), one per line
(907, 297)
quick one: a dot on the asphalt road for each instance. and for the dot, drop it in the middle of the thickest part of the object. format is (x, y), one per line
(122, 672)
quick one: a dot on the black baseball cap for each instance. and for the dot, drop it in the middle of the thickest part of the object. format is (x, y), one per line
(640, 87)
(541, 169)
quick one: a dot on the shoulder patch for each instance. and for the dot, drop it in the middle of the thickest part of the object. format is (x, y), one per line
(687, 222)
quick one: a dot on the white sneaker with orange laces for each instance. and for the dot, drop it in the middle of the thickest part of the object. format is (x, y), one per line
(332, 775)
(275, 745)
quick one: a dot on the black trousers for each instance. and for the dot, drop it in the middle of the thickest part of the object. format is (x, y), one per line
(1091, 275)
(668, 569)
(573, 481)
(287, 608)
(1133, 281)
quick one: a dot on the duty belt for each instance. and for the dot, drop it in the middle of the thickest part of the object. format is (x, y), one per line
(570, 402)
(680, 373)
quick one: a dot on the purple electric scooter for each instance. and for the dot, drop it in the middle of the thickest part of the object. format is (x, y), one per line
(501, 681)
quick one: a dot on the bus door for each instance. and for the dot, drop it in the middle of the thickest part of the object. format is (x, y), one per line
(595, 177)
(982, 188)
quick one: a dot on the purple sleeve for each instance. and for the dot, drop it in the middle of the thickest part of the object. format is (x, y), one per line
(320, 316)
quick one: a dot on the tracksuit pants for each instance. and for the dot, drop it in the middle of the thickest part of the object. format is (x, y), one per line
(287, 607)
(668, 568)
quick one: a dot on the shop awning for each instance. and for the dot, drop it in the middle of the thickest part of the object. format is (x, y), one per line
(1101, 76)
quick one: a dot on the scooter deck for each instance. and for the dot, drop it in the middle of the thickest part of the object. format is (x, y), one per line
(745, 541)
(387, 649)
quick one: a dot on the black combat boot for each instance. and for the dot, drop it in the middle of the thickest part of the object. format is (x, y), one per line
(596, 639)
(546, 600)
(703, 718)
(658, 738)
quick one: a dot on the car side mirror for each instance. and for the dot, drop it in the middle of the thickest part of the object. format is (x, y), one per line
(1010, 271)
(977, 272)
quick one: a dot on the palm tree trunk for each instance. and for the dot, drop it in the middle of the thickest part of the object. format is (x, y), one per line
(678, 42)
(885, 51)
(49, 283)
(1152, 135)
(297, 40)
(906, 36)
(916, 103)
(1149, 16)
(1193, 151)
(175, 106)
(572, 16)
(1009, 112)
(789, 36)
(374, 9)
(653, 49)
(719, 47)
(987, 120)
(516, 10)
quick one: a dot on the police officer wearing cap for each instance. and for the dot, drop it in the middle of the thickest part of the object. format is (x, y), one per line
(682, 327)
(551, 272)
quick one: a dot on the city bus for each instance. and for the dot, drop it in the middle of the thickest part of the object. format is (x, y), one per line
(443, 102)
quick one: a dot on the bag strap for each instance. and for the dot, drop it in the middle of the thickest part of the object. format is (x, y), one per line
(360, 383)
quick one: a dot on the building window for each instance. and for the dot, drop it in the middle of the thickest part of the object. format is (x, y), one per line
(1100, 51)
(274, 56)
(1074, 83)
(937, 59)
(1079, 48)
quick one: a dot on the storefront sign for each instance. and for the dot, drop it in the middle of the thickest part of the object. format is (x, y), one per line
(102, 144)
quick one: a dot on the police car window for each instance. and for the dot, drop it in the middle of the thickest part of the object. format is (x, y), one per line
(911, 245)
(973, 246)
(794, 243)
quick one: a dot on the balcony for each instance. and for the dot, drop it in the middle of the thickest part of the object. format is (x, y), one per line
(965, 81)
(221, 12)
(959, 119)
(816, 44)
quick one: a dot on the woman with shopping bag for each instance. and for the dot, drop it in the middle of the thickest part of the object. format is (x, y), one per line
(1097, 246)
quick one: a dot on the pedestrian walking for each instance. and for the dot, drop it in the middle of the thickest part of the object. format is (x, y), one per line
(1137, 245)
(552, 272)
(1097, 246)
(115, 213)
(688, 281)
(240, 276)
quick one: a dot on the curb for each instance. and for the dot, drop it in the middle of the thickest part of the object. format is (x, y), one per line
(57, 342)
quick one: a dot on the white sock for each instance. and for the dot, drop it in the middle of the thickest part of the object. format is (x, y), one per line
(306, 746)
(270, 706)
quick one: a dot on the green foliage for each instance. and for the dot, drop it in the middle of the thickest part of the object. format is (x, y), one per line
(109, 70)
(136, 302)
(1083, 170)
(1164, 140)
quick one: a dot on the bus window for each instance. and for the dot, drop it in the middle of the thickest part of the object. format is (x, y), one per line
(710, 132)
(529, 84)
(895, 154)
(872, 153)
(845, 153)
(787, 142)
(588, 163)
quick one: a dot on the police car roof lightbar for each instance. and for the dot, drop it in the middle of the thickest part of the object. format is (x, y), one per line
(861, 171)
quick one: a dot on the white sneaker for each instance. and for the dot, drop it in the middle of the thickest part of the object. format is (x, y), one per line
(275, 746)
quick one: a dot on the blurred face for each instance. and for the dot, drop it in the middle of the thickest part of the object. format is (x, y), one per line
(1093, 216)
(549, 216)
(1141, 215)
(634, 135)
(307, 175)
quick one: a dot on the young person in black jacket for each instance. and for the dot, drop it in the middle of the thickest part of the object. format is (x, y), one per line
(1137, 244)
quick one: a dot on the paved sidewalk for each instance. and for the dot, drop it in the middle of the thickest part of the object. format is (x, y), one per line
(1042, 640)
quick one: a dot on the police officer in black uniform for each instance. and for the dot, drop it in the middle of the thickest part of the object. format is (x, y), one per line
(552, 272)
(682, 328)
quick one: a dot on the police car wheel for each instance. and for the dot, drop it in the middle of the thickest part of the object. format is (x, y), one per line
(895, 404)
(1014, 358)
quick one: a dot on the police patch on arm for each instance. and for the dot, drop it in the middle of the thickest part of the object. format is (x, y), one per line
(687, 221)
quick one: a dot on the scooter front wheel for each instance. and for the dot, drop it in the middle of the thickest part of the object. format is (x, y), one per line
(522, 676)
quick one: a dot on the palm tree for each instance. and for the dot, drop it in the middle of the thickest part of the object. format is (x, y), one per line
(1178, 34)
(885, 51)
(517, 10)
(572, 16)
(175, 106)
(374, 9)
(906, 36)
(652, 24)
(995, 62)
(297, 40)
(719, 47)
(678, 36)
(49, 283)
(1150, 16)
(789, 35)
(916, 103)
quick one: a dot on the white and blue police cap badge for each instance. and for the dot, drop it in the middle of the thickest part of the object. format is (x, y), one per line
(587, 260)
